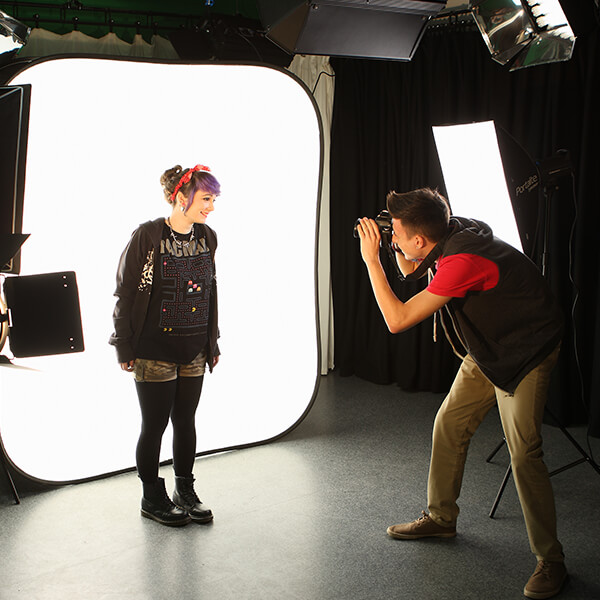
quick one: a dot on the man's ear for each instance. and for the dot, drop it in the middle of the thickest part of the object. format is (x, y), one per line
(420, 241)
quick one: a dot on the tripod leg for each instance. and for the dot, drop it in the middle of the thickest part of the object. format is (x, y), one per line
(500, 491)
(586, 457)
(495, 450)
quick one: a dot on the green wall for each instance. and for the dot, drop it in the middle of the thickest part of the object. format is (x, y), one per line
(95, 15)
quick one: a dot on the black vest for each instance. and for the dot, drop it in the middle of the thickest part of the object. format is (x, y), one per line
(510, 329)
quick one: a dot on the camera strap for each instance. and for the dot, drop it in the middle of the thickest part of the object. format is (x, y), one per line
(430, 259)
(426, 263)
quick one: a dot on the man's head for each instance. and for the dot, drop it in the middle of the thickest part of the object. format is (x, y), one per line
(420, 220)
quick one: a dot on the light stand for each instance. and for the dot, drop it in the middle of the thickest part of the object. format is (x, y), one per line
(550, 171)
(9, 246)
(3, 335)
(6, 255)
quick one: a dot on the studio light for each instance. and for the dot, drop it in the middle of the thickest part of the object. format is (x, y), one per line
(101, 133)
(524, 33)
(14, 34)
(474, 177)
(389, 29)
(14, 116)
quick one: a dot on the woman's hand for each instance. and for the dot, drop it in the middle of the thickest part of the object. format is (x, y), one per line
(215, 361)
(370, 240)
(128, 366)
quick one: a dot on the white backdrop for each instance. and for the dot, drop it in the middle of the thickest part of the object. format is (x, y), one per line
(101, 134)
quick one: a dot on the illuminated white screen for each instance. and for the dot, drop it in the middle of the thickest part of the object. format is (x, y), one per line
(101, 134)
(474, 177)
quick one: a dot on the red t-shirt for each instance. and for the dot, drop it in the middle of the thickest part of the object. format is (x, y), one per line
(460, 273)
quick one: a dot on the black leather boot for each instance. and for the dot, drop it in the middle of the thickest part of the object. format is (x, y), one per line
(157, 505)
(185, 497)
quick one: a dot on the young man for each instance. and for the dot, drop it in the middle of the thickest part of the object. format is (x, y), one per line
(500, 317)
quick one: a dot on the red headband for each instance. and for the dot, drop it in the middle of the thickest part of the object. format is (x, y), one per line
(185, 179)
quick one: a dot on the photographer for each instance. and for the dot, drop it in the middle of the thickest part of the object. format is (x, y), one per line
(500, 317)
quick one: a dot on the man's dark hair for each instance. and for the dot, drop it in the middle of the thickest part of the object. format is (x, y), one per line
(424, 211)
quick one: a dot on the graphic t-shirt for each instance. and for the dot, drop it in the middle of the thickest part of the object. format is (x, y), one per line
(176, 327)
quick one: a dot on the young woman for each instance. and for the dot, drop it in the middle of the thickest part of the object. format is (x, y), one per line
(166, 333)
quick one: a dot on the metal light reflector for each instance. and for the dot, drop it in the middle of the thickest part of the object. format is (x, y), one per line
(524, 33)
(13, 33)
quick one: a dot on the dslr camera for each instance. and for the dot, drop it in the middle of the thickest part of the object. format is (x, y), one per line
(384, 224)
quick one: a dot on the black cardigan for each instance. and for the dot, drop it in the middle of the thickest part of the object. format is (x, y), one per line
(134, 286)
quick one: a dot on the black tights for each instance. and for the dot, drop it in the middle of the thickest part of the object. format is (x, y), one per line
(158, 401)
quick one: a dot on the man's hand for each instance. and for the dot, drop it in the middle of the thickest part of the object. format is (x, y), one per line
(370, 240)
(399, 316)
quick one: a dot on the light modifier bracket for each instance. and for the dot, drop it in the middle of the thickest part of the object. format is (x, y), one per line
(524, 33)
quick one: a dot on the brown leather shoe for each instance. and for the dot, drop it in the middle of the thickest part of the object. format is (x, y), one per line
(547, 580)
(424, 526)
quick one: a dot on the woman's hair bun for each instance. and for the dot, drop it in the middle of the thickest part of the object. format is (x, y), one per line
(169, 180)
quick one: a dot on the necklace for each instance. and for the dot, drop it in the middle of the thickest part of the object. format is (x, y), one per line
(181, 243)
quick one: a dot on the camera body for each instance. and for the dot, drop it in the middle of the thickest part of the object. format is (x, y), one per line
(384, 224)
(386, 230)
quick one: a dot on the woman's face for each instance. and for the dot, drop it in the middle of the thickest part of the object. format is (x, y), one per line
(202, 205)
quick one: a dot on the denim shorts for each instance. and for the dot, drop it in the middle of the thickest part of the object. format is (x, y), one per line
(149, 370)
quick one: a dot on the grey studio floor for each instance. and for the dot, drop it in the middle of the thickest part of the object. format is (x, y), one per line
(305, 518)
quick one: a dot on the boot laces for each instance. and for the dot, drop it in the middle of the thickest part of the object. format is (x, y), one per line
(166, 498)
(190, 496)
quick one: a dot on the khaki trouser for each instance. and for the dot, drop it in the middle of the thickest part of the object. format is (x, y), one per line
(469, 400)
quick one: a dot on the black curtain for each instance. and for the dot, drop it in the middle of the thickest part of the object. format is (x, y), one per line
(382, 139)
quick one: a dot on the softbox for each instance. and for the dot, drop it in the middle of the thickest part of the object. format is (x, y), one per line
(388, 29)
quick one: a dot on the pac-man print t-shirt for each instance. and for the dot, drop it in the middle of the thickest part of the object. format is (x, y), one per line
(176, 327)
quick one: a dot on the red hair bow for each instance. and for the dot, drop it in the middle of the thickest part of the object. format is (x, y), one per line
(186, 178)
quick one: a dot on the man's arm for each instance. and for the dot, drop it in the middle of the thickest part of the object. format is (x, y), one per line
(399, 316)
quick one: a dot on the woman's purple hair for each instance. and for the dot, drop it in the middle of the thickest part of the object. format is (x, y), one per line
(201, 180)
(171, 182)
